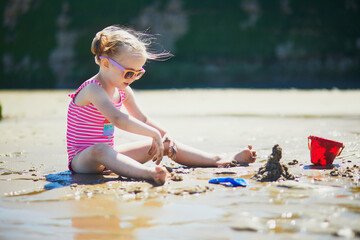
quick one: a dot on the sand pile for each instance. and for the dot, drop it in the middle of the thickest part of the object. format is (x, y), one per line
(273, 169)
(352, 173)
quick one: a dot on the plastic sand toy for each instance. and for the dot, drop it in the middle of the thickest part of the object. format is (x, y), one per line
(323, 151)
(229, 182)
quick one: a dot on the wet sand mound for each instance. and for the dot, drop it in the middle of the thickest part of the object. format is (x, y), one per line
(352, 173)
(273, 169)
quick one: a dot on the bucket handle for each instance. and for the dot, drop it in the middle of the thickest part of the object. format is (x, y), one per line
(340, 150)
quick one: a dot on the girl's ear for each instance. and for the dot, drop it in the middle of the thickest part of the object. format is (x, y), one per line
(105, 64)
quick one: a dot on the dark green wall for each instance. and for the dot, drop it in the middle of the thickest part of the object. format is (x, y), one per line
(243, 43)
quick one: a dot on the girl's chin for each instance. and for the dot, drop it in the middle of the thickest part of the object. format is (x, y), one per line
(122, 86)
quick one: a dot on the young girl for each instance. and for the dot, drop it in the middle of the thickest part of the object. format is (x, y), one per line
(95, 110)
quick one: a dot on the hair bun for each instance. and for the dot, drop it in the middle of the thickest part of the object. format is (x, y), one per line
(103, 42)
(99, 44)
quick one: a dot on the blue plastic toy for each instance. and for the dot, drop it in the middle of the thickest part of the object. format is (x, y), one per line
(229, 182)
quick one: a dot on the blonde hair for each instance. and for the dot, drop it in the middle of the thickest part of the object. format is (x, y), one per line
(114, 40)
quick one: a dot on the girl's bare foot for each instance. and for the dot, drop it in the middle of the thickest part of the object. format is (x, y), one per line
(160, 175)
(246, 156)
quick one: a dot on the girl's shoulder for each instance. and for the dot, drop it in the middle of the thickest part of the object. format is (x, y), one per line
(84, 84)
(127, 93)
(86, 89)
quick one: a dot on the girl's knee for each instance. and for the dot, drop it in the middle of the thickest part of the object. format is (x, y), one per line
(99, 150)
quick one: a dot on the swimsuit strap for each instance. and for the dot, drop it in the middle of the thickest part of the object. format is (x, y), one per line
(84, 85)
(73, 95)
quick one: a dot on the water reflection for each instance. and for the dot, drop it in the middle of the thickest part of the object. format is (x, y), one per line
(107, 219)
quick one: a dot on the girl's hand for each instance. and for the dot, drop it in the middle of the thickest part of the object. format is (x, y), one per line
(157, 147)
(172, 147)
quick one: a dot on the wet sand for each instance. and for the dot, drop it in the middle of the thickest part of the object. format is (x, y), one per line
(40, 199)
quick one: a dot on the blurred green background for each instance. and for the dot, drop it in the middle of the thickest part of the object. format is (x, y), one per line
(242, 43)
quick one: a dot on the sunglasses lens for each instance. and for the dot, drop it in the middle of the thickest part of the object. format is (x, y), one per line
(139, 75)
(129, 75)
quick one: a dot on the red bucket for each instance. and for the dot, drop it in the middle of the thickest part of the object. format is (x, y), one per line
(324, 151)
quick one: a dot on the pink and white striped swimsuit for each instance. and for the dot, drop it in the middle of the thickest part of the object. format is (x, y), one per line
(86, 126)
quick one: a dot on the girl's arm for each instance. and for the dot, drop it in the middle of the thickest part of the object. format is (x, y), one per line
(99, 98)
(134, 110)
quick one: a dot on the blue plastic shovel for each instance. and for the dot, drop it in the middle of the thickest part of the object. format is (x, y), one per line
(229, 182)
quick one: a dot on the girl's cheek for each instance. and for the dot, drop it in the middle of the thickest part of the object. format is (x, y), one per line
(117, 77)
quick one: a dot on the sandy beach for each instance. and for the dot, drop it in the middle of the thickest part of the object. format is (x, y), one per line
(40, 199)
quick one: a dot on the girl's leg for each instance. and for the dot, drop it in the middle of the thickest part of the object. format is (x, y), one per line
(95, 158)
(186, 155)
(193, 157)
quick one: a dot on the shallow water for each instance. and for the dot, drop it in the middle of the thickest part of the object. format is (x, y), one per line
(41, 200)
